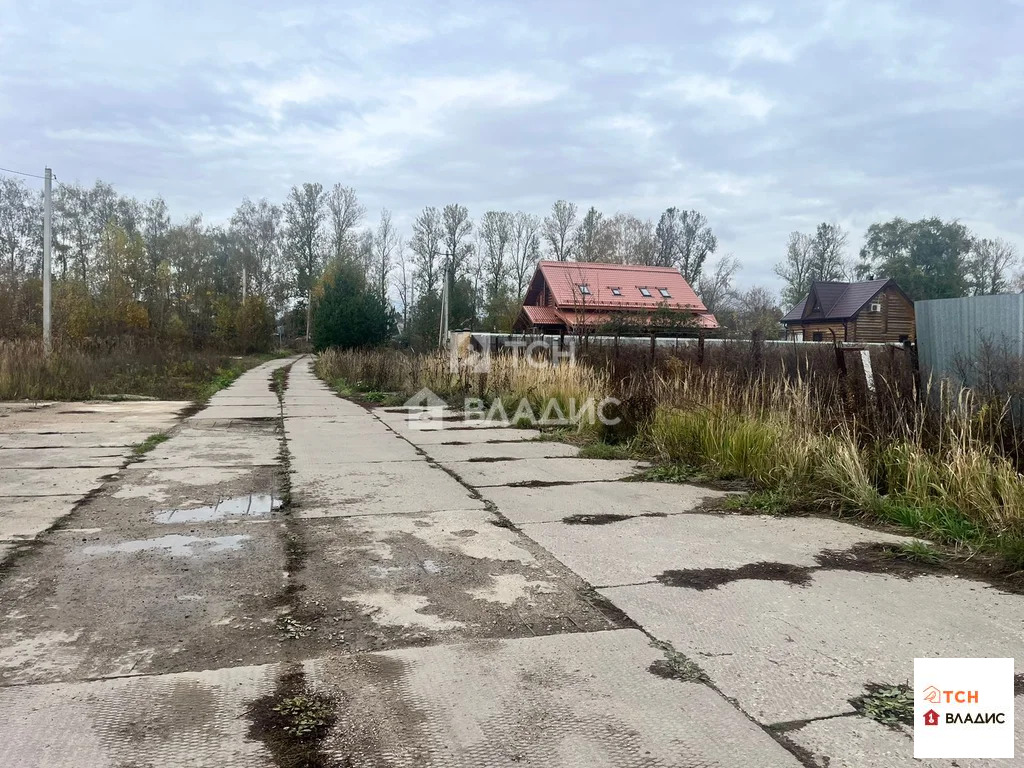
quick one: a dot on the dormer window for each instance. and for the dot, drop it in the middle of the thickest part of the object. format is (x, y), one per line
(664, 293)
(645, 292)
(616, 291)
(584, 289)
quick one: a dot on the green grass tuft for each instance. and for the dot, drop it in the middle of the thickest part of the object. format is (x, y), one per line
(149, 444)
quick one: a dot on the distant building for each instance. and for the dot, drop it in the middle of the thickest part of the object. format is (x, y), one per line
(873, 311)
(567, 297)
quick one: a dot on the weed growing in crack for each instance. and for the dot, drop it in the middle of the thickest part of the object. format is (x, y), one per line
(676, 666)
(147, 445)
(890, 705)
(293, 721)
(306, 715)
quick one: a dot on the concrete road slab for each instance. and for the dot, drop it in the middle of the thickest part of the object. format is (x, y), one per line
(267, 399)
(376, 489)
(25, 517)
(551, 504)
(352, 449)
(82, 440)
(566, 700)
(386, 581)
(98, 603)
(337, 409)
(44, 482)
(516, 450)
(857, 742)
(143, 495)
(468, 436)
(792, 653)
(222, 412)
(488, 473)
(640, 549)
(193, 718)
(29, 458)
(200, 445)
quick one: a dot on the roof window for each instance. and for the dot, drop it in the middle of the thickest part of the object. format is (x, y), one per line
(664, 293)
(645, 292)
(584, 289)
(616, 291)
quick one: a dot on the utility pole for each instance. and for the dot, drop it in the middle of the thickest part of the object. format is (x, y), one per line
(442, 336)
(245, 285)
(47, 235)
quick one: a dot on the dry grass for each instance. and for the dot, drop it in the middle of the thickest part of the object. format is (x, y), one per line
(112, 368)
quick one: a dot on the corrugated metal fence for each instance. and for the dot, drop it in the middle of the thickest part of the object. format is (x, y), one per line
(953, 333)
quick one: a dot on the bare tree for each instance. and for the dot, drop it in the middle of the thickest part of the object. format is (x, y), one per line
(256, 230)
(496, 233)
(385, 241)
(346, 211)
(457, 228)
(525, 250)
(829, 263)
(798, 267)
(428, 236)
(558, 229)
(304, 213)
(405, 283)
(715, 287)
(593, 239)
(988, 266)
(685, 240)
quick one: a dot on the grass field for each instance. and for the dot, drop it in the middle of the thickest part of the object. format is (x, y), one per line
(115, 369)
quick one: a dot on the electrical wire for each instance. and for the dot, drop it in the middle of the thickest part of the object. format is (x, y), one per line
(22, 173)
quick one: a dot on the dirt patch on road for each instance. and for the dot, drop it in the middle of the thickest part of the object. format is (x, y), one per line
(861, 558)
(713, 578)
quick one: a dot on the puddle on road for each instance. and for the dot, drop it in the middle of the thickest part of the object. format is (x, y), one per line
(255, 505)
(173, 545)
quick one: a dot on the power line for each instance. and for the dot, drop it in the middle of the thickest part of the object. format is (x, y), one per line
(23, 173)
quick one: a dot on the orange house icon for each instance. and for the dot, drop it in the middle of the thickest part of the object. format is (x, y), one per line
(932, 694)
(931, 717)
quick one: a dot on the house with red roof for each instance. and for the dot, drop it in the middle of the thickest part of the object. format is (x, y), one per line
(569, 297)
(871, 311)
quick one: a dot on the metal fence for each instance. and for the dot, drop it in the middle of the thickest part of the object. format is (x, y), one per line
(955, 336)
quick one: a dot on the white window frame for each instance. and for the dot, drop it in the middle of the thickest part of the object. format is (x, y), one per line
(645, 292)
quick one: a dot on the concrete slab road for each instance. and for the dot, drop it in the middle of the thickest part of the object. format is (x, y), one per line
(453, 597)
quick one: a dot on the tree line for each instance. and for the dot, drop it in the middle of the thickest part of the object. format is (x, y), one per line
(929, 259)
(122, 266)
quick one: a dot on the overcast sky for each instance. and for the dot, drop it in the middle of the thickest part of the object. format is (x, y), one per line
(767, 117)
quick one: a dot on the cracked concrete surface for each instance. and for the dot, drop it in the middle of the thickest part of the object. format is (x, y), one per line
(460, 619)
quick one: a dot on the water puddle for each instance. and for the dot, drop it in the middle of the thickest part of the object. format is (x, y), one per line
(254, 505)
(173, 545)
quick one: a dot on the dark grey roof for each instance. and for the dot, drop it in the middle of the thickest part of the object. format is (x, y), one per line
(838, 301)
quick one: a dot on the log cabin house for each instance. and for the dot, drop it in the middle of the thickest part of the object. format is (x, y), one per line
(872, 311)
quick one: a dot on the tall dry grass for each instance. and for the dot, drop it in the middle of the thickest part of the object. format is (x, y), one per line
(113, 367)
(505, 377)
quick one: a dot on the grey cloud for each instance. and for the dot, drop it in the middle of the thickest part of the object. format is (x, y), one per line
(767, 116)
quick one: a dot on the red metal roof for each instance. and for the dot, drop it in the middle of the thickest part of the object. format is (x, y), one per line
(565, 277)
(542, 315)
